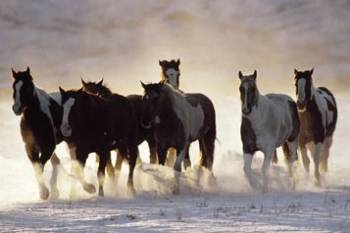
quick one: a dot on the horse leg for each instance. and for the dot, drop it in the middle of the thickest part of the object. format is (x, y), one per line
(187, 161)
(101, 170)
(180, 156)
(207, 146)
(152, 151)
(275, 158)
(162, 152)
(133, 155)
(325, 154)
(55, 162)
(248, 159)
(109, 167)
(170, 156)
(305, 158)
(316, 152)
(33, 156)
(290, 152)
(77, 168)
(266, 168)
(119, 163)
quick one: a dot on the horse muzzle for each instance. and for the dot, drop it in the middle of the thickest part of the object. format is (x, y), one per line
(146, 124)
(17, 109)
(301, 106)
(246, 111)
(66, 130)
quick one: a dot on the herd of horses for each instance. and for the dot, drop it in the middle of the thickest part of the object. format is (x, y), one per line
(93, 119)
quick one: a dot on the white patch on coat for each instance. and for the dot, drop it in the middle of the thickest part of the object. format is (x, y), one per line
(271, 121)
(301, 90)
(65, 127)
(44, 101)
(56, 96)
(191, 117)
(17, 104)
(172, 76)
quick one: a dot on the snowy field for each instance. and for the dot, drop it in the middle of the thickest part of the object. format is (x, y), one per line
(64, 40)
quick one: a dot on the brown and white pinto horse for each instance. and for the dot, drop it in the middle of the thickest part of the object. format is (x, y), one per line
(41, 118)
(318, 117)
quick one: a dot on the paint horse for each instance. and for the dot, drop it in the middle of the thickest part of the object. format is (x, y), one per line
(318, 117)
(177, 120)
(171, 72)
(100, 89)
(171, 75)
(41, 117)
(94, 124)
(268, 121)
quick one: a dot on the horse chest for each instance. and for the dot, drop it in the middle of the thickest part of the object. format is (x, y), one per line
(311, 125)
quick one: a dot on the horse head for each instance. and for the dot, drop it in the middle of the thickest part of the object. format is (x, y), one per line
(303, 84)
(248, 92)
(171, 72)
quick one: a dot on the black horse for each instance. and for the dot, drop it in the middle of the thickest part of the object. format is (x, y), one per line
(93, 124)
(100, 89)
(41, 118)
(179, 119)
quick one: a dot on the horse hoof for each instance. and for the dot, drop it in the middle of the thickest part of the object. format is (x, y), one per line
(44, 193)
(89, 188)
(101, 192)
(131, 191)
(176, 190)
(54, 193)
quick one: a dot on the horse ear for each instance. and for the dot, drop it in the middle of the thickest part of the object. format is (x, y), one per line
(178, 62)
(62, 91)
(143, 85)
(160, 63)
(295, 71)
(254, 75)
(82, 81)
(312, 71)
(14, 74)
(100, 82)
(28, 70)
(240, 75)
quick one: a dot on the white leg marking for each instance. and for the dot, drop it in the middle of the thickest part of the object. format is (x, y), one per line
(65, 127)
(265, 169)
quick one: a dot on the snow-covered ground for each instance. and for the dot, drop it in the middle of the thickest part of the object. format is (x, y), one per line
(122, 41)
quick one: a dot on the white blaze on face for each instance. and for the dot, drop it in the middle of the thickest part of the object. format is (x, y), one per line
(172, 76)
(17, 105)
(301, 90)
(65, 127)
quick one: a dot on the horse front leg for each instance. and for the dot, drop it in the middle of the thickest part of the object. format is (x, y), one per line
(266, 169)
(77, 168)
(177, 167)
(248, 159)
(55, 162)
(305, 158)
(133, 155)
(316, 153)
(110, 168)
(33, 156)
(101, 170)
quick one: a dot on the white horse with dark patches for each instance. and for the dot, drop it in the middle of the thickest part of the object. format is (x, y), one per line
(268, 121)
(41, 117)
(318, 117)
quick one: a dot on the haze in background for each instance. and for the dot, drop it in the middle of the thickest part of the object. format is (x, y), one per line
(122, 41)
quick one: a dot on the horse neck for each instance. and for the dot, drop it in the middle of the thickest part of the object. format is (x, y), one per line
(104, 92)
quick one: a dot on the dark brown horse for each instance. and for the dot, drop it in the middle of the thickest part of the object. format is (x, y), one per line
(94, 124)
(100, 89)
